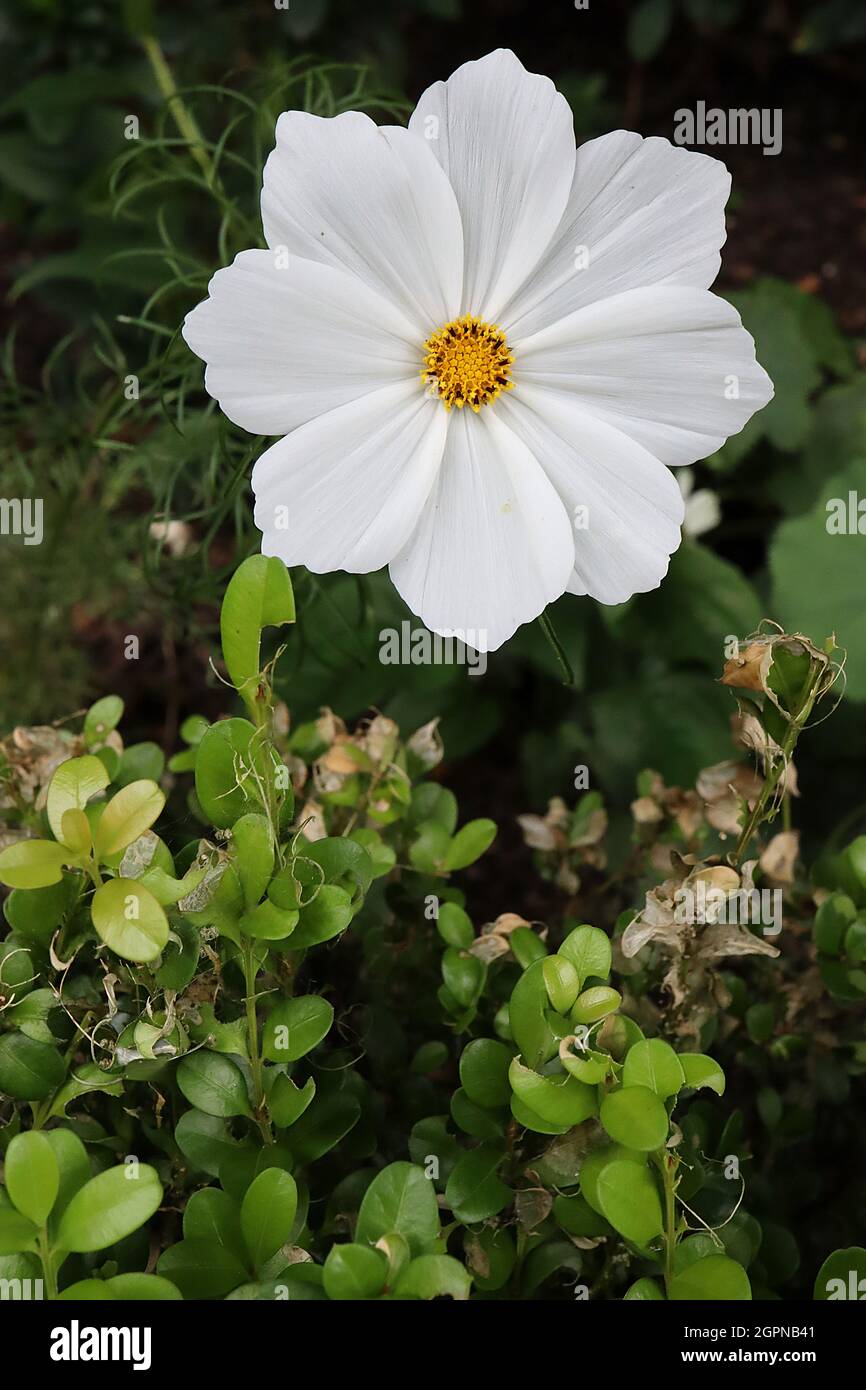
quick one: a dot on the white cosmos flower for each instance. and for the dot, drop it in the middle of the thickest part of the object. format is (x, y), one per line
(467, 336)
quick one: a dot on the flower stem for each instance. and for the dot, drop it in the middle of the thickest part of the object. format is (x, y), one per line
(775, 773)
(546, 625)
(47, 1259)
(668, 1166)
(183, 118)
(253, 1040)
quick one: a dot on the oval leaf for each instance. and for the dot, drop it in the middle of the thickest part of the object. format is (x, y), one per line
(212, 1083)
(32, 1175)
(72, 786)
(128, 918)
(635, 1117)
(110, 1207)
(127, 815)
(268, 1213)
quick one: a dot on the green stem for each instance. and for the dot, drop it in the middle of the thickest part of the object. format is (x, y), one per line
(46, 1256)
(183, 119)
(260, 706)
(775, 774)
(668, 1166)
(253, 1041)
(546, 625)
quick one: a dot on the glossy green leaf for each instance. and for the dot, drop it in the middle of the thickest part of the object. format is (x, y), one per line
(142, 1288)
(73, 784)
(464, 976)
(323, 1124)
(202, 1268)
(76, 833)
(295, 1026)
(259, 595)
(832, 920)
(32, 1175)
(327, 915)
(455, 926)
(561, 1099)
(36, 913)
(204, 1140)
(400, 1199)
(699, 1070)
(715, 1278)
(635, 1117)
(484, 1067)
(29, 1070)
(562, 981)
(240, 1168)
(267, 922)
(629, 1198)
(594, 1004)
(342, 861)
(128, 814)
(354, 1272)
(644, 1291)
(490, 1257)
(212, 1083)
(434, 1276)
(527, 1012)
(287, 1102)
(17, 1232)
(32, 864)
(225, 762)
(87, 1291)
(73, 1166)
(268, 1213)
(474, 1191)
(129, 919)
(103, 716)
(211, 1214)
(110, 1207)
(469, 844)
(529, 1119)
(577, 1217)
(654, 1065)
(588, 949)
(473, 1119)
(586, 1064)
(254, 855)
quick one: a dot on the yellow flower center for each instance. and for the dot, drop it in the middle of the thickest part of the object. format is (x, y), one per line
(467, 362)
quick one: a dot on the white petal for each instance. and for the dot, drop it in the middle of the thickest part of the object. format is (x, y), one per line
(341, 191)
(641, 212)
(631, 525)
(493, 545)
(285, 345)
(505, 138)
(344, 491)
(671, 367)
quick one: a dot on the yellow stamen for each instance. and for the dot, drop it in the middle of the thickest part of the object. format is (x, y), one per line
(467, 362)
